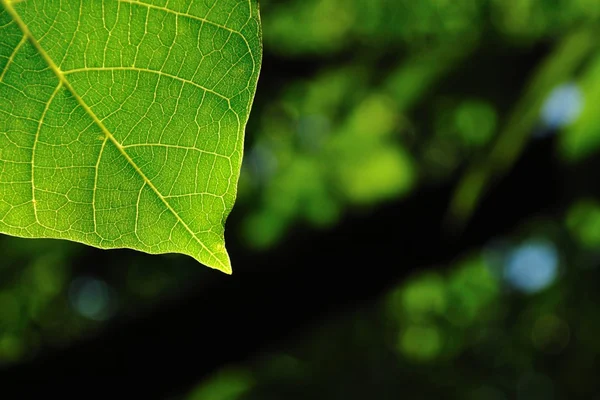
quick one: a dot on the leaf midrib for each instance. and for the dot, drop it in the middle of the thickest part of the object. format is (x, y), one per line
(62, 78)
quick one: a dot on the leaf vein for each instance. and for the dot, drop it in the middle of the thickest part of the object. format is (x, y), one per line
(151, 71)
(12, 57)
(35, 142)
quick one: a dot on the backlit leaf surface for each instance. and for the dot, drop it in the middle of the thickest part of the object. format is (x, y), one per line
(122, 121)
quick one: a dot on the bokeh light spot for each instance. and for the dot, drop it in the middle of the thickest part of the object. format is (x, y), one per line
(425, 295)
(92, 298)
(563, 106)
(532, 266)
(420, 343)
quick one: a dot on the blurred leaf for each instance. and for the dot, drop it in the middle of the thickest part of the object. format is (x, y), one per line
(225, 385)
(472, 289)
(417, 75)
(133, 139)
(583, 220)
(420, 343)
(11, 348)
(420, 298)
(475, 122)
(370, 167)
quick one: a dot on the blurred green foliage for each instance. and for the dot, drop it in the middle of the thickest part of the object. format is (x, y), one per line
(583, 221)
(431, 308)
(299, 27)
(46, 303)
(429, 40)
(32, 308)
(463, 329)
(314, 158)
(365, 144)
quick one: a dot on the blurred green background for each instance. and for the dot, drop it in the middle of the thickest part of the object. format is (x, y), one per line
(482, 115)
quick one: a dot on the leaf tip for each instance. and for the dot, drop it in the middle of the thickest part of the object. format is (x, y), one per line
(227, 269)
(219, 259)
(222, 265)
(224, 262)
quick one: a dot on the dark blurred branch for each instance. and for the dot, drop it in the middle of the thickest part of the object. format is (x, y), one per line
(277, 295)
(558, 67)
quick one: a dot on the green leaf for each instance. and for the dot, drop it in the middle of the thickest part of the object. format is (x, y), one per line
(122, 121)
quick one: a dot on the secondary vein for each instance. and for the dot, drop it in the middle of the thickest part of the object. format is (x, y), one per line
(12, 56)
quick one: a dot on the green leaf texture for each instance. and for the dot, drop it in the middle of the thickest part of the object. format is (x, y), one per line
(122, 121)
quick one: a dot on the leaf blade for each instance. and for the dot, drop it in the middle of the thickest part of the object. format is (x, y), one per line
(135, 170)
